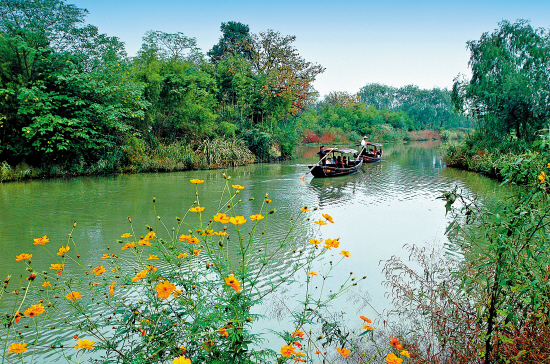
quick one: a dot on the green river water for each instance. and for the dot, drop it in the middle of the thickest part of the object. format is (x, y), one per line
(377, 210)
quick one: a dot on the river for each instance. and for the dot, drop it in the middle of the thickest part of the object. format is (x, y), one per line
(377, 210)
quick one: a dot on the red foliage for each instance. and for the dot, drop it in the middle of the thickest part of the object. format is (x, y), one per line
(531, 342)
(424, 135)
(310, 137)
(327, 137)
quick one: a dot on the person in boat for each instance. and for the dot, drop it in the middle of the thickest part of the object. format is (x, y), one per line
(322, 154)
(339, 163)
(345, 162)
(364, 145)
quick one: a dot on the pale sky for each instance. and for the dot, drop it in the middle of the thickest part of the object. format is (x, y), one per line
(392, 42)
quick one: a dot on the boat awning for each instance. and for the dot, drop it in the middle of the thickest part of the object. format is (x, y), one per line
(344, 150)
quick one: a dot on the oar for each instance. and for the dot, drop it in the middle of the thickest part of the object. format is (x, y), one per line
(316, 164)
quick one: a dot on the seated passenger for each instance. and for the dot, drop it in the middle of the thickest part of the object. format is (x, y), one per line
(339, 163)
(345, 161)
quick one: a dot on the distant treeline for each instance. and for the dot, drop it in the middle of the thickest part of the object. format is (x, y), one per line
(72, 101)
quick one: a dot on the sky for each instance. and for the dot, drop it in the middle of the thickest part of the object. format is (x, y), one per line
(392, 42)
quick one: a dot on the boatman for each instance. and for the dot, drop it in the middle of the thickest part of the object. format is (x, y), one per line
(363, 146)
(323, 152)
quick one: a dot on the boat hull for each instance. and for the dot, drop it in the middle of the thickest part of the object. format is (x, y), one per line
(333, 171)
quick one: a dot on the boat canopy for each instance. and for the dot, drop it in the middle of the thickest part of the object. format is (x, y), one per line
(344, 151)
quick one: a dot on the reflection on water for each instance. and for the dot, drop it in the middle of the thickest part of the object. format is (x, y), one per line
(377, 210)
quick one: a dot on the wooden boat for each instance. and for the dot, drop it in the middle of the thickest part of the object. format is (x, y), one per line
(333, 169)
(372, 153)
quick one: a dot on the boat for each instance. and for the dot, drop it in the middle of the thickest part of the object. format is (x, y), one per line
(332, 168)
(372, 152)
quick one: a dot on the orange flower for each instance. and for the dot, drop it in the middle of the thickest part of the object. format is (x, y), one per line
(41, 241)
(312, 273)
(99, 270)
(542, 177)
(140, 275)
(85, 344)
(152, 256)
(23, 256)
(233, 282)
(368, 327)
(128, 245)
(256, 217)
(17, 317)
(58, 267)
(183, 255)
(164, 289)
(317, 352)
(126, 235)
(196, 209)
(320, 222)
(315, 241)
(221, 217)
(196, 252)
(17, 348)
(329, 218)
(298, 333)
(46, 284)
(63, 250)
(144, 243)
(74, 295)
(405, 353)
(151, 268)
(237, 220)
(288, 350)
(366, 319)
(34, 310)
(331, 243)
(237, 187)
(345, 253)
(112, 288)
(267, 200)
(344, 352)
(105, 256)
(207, 232)
(220, 233)
(150, 235)
(395, 343)
(305, 208)
(223, 332)
(196, 181)
(391, 358)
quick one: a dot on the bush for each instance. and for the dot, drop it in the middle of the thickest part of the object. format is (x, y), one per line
(260, 143)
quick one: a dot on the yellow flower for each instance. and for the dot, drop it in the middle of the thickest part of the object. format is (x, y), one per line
(256, 217)
(305, 208)
(152, 256)
(140, 275)
(237, 187)
(221, 217)
(34, 310)
(405, 353)
(41, 241)
(17, 348)
(112, 288)
(391, 358)
(542, 177)
(223, 332)
(126, 235)
(331, 243)
(144, 243)
(548, 166)
(58, 267)
(196, 209)
(315, 241)
(312, 273)
(345, 253)
(320, 222)
(85, 344)
(128, 245)
(196, 181)
(288, 350)
(23, 256)
(344, 352)
(105, 256)
(329, 218)
(208, 232)
(74, 295)
(368, 327)
(46, 284)
(99, 270)
(267, 200)
(151, 268)
(233, 282)
(181, 360)
(164, 289)
(237, 220)
(183, 255)
(150, 235)
(196, 252)
(298, 333)
(63, 250)
(220, 233)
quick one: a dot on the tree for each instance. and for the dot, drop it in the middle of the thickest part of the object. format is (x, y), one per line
(167, 46)
(235, 40)
(510, 85)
